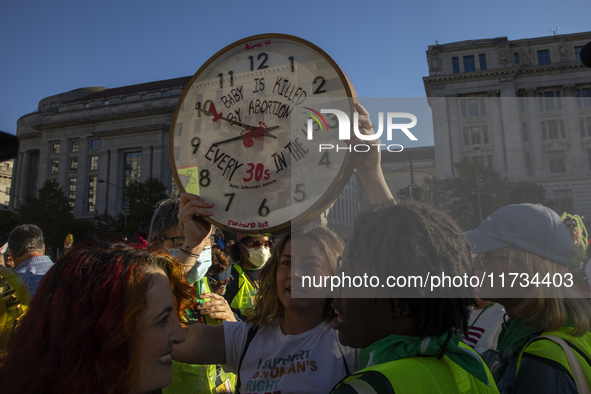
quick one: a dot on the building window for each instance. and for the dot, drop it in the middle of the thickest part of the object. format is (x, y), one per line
(456, 65)
(553, 129)
(398, 184)
(585, 94)
(578, 54)
(516, 58)
(469, 64)
(106, 102)
(557, 161)
(475, 132)
(549, 101)
(489, 161)
(133, 167)
(482, 59)
(93, 163)
(528, 165)
(585, 125)
(524, 132)
(94, 144)
(91, 193)
(563, 201)
(164, 94)
(54, 166)
(466, 136)
(86, 106)
(72, 191)
(73, 164)
(144, 96)
(75, 146)
(473, 107)
(123, 100)
(55, 148)
(543, 57)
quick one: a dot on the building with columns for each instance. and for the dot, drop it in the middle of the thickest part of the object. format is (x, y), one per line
(522, 107)
(116, 135)
(5, 182)
(88, 134)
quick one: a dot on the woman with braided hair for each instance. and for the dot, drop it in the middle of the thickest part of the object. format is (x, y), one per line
(416, 347)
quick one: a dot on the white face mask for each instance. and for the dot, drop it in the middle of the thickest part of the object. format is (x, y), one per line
(201, 266)
(258, 257)
(172, 251)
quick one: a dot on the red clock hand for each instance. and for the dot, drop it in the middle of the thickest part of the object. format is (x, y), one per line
(216, 115)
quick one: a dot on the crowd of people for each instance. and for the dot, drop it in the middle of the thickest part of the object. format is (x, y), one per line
(191, 312)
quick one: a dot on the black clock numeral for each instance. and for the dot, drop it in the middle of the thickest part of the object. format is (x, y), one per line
(231, 195)
(195, 142)
(263, 209)
(198, 106)
(319, 88)
(204, 178)
(221, 75)
(291, 60)
(301, 192)
(324, 160)
(262, 65)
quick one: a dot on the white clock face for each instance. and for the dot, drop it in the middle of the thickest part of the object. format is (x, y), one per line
(239, 134)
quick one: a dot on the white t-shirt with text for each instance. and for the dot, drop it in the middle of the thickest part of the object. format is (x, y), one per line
(312, 362)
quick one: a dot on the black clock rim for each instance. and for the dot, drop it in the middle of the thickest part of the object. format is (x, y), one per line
(341, 179)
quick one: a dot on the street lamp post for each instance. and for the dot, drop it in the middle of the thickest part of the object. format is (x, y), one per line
(476, 148)
(13, 195)
(125, 208)
(412, 179)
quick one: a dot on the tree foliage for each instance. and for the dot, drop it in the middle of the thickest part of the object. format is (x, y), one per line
(51, 212)
(8, 221)
(142, 197)
(458, 195)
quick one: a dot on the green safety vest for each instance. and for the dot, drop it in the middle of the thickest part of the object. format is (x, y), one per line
(201, 379)
(412, 375)
(553, 353)
(244, 299)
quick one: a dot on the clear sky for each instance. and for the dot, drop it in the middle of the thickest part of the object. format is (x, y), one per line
(48, 48)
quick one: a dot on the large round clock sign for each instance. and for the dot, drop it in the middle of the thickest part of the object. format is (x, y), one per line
(251, 134)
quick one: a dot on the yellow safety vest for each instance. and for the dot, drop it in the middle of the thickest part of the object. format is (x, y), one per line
(244, 299)
(552, 352)
(201, 379)
(418, 375)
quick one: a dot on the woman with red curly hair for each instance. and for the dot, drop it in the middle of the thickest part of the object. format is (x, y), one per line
(105, 320)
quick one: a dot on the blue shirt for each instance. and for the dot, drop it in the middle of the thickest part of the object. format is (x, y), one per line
(32, 271)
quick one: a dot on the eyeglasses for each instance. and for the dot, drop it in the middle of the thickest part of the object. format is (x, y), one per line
(571, 225)
(257, 243)
(173, 239)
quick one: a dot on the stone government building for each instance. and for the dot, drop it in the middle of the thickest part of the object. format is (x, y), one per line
(522, 107)
(81, 136)
(116, 135)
